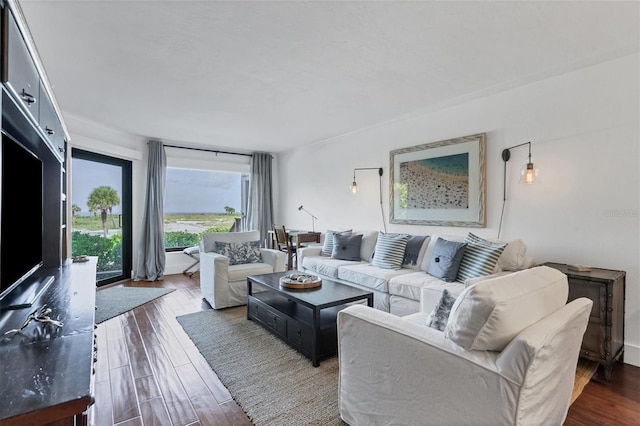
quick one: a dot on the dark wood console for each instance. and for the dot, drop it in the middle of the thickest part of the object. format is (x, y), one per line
(46, 372)
(603, 340)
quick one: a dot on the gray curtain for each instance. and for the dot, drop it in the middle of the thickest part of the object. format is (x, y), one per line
(151, 255)
(260, 206)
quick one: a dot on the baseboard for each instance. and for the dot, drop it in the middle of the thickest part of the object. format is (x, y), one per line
(632, 354)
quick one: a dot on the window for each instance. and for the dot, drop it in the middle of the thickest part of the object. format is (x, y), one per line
(199, 201)
(101, 213)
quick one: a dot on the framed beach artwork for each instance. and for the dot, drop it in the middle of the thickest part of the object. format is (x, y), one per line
(439, 183)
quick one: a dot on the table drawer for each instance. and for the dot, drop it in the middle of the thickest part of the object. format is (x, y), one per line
(300, 336)
(270, 318)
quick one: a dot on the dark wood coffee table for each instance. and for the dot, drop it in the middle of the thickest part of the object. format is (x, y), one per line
(304, 319)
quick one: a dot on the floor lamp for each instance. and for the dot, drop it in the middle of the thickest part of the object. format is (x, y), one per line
(354, 189)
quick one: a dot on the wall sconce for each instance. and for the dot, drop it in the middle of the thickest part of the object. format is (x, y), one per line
(313, 218)
(354, 189)
(354, 185)
(528, 175)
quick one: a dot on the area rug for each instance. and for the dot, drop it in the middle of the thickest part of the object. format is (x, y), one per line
(584, 372)
(113, 301)
(273, 383)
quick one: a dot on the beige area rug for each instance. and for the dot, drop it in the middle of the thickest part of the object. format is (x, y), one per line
(584, 372)
(272, 382)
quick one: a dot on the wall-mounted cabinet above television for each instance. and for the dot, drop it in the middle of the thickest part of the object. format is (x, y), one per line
(26, 81)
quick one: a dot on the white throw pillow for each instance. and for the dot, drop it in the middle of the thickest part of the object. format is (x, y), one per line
(369, 239)
(488, 315)
(513, 257)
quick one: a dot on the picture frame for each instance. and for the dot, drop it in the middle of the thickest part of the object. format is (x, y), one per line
(439, 183)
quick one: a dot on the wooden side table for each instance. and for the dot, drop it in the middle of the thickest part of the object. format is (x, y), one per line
(603, 340)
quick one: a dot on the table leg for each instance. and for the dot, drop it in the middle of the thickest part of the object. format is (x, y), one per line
(249, 291)
(316, 335)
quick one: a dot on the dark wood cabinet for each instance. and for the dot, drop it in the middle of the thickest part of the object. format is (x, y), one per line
(46, 372)
(603, 340)
(19, 71)
(25, 80)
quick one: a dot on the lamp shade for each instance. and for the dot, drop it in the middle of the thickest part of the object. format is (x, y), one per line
(529, 174)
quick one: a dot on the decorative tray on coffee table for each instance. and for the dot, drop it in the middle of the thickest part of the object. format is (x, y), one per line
(300, 281)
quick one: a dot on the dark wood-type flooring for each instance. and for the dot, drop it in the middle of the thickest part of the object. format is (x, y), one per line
(149, 372)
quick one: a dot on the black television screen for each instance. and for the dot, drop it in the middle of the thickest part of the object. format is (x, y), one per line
(20, 215)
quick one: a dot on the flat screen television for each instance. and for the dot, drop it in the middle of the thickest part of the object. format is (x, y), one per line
(21, 223)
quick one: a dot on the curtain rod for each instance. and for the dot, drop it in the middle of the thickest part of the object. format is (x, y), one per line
(209, 150)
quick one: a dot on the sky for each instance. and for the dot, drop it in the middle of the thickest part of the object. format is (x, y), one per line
(187, 191)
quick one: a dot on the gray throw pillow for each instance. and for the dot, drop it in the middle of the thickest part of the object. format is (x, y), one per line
(445, 259)
(440, 315)
(346, 247)
(327, 247)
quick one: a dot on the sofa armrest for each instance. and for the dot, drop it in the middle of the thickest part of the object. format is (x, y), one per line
(307, 251)
(427, 379)
(214, 279)
(275, 258)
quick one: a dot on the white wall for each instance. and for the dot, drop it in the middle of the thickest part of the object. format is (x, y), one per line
(584, 129)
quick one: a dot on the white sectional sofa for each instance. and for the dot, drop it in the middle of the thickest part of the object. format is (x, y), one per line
(400, 291)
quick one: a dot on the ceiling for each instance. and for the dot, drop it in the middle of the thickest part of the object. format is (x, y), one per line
(273, 75)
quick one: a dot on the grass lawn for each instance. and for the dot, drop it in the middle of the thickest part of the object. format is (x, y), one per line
(191, 222)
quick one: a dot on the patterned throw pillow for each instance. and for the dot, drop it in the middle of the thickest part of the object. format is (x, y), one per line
(389, 250)
(240, 253)
(440, 315)
(480, 257)
(327, 247)
(445, 259)
(346, 247)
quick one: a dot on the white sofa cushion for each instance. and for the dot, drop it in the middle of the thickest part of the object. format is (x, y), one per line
(241, 271)
(488, 315)
(324, 265)
(370, 276)
(410, 285)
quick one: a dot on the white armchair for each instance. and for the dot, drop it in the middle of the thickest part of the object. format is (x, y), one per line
(224, 285)
(507, 356)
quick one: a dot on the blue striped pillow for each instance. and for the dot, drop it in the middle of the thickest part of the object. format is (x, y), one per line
(480, 257)
(389, 250)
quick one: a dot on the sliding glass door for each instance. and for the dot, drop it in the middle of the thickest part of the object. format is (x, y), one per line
(101, 213)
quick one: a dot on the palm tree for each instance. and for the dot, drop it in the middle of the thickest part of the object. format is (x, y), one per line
(75, 209)
(102, 199)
